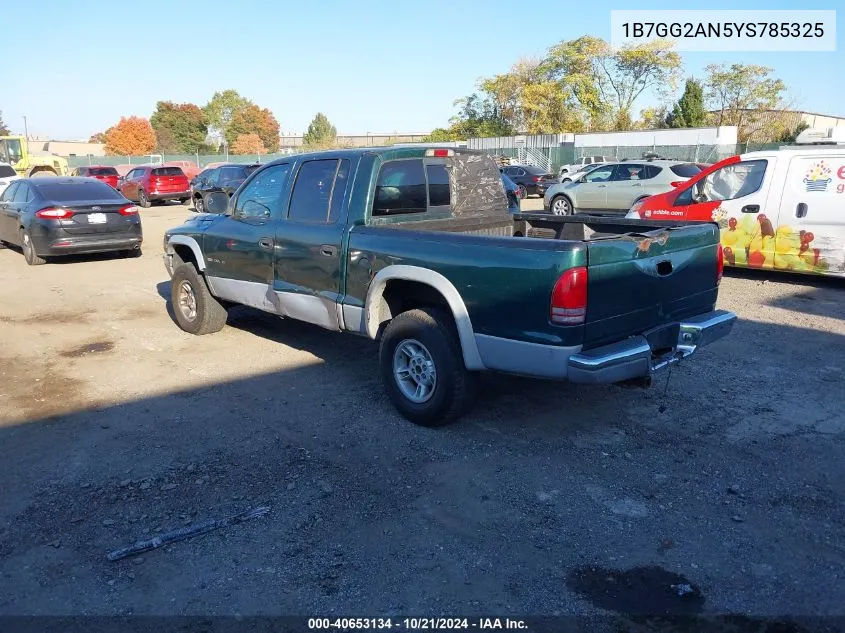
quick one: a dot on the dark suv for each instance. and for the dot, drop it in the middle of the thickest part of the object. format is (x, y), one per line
(225, 178)
(147, 184)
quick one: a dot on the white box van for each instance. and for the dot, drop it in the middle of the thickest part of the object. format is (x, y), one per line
(781, 209)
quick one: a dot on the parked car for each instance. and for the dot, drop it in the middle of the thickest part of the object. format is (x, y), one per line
(226, 178)
(575, 175)
(104, 173)
(533, 180)
(615, 187)
(513, 193)
(415, 247)
(777, 209)
(7, 176)
(147, 184)
(52, 216)
(579, 164)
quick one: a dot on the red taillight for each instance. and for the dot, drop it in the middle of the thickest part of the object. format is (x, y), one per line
(129, 209)
(677, 183)
(720, 263)
(569, 298)
(536, 178)
(54, 213)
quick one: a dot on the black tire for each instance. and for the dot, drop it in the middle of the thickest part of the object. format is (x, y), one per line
(28, 248)
(454, 386)
(564, 203)
(2, 245)
(199, 204)
(143, 200)
(209, 315)
(132, 253)
(43, 173)
(183, 200)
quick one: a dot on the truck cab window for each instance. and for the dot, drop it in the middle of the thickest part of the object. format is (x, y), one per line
(400, 188)
(438, 186)
(262, 195)
(312, 191)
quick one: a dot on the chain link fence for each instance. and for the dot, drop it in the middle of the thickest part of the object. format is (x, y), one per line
(201, 160)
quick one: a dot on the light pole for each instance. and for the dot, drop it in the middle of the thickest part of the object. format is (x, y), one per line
(25, 128)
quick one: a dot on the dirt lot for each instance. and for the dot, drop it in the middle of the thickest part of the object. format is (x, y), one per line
(115, 425)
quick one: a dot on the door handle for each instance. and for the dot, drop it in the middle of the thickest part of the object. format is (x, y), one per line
(637, 184)
(751, 208)
(266, 243)
(801, 210)
(328, 250)
(602, 185)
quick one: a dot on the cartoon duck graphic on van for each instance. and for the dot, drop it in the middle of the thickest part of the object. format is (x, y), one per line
(817, 177)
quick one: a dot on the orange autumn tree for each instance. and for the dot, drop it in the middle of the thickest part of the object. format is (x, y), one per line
(132, 136)
(248, 144)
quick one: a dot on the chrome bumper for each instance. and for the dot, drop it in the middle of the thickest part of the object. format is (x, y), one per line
(634, 357)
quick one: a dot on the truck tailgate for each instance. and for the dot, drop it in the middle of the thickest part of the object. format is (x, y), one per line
(644, 279)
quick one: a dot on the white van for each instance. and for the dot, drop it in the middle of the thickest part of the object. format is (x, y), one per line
(782, 209)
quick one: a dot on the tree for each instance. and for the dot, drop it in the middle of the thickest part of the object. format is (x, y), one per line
(652, 118)
(99, 137)
(689, 111)
(255, 120)
(4, 131)
(320, 133)
(738, 90)
(220, 110)
(248, 144)
(179, 127)
(789, 136)
(132, 136)
(479, 116)
(607, 82)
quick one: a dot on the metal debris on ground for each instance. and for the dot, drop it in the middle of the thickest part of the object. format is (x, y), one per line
(189, 531)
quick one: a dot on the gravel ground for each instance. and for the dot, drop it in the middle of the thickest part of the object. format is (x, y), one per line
(548, 499)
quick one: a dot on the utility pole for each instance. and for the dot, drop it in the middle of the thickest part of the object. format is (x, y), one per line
(25, 128)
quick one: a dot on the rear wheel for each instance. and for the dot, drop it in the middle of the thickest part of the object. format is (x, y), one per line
(561, 206)
(41, 173)
(143, 200)
(199, 204)
(196, 310)
(132, 253)
(423, 370)
(28, 248)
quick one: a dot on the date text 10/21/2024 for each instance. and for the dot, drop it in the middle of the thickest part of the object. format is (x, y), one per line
(415, 624)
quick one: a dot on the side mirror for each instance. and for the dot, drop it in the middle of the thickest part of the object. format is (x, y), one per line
(217, 202)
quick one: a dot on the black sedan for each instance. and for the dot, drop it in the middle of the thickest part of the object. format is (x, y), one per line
(533, 180)
(225, 178)
(48, 216)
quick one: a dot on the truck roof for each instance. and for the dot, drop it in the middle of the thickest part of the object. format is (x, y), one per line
(410, 151)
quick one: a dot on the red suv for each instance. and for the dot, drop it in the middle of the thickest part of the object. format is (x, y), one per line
(147, 184)
(107, 174)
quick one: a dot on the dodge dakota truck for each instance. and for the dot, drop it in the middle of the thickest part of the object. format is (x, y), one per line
(414, 247)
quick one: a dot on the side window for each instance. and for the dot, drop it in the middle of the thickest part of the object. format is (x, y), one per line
(312, 191)
(228, 174)
(628, 171)
(263, 193)
(400, 188)
(511, 171)
(211, 177)
(650, 171)
(731, 181)
(22, 194)
(521, 172)
(341, 181)
(600, 174)
(438, 186)
(9, 194)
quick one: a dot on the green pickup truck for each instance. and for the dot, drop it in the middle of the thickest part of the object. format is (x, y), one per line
(415, 247)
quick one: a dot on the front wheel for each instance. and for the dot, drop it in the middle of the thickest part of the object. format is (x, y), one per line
(199, 204)
(423, 370)
(561, 206)
(196, 310)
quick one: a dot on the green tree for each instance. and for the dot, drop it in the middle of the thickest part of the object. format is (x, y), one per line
(789, 136)
(179, 127)
(320, 133)
(220, 110)
(255, 120)
(689, 111)
(607, 82)
(4, 131)
(99, 137)
(737, 93)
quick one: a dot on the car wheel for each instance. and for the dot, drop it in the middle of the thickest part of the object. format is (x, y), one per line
(199, 204)
(132, 253)
(561, 206)
(143, 200)
(521, 192)
(423, 370)
(2, 245)
(28, 248)
(196, 310)
(183, 200)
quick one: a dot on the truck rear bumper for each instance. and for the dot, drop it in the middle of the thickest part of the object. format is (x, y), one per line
(635, 358)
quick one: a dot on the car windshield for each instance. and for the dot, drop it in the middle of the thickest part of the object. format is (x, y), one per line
(167, 171)
(102, 171)
(75, 191)
(10, 150)
(685, 170)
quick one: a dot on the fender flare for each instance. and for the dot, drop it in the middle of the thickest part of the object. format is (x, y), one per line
(190, 243)
(466, 335)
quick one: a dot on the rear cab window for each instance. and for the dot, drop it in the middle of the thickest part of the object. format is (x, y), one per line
(102, 171)
(167, 171)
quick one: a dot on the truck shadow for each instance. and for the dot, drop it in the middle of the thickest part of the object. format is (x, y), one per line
(810, 294)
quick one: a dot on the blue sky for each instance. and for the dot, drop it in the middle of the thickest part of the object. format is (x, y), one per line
(371, 66)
